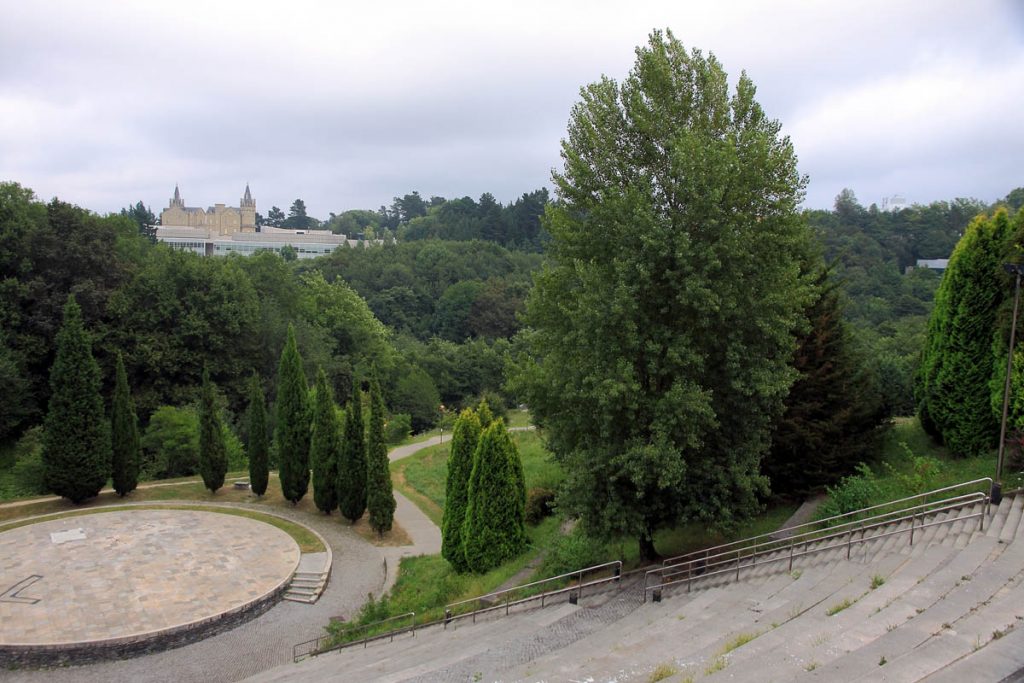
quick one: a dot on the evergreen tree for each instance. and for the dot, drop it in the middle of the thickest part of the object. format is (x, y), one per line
(380, 498)
(324, 446)
(483, 412)
(76, 443)
(662, 322)
(352, 467)
(258, 447)
(956, 367)
(213, 453)
(293, 422)
(124, 434)
(834, 410)
(494, 530)
(465, 437)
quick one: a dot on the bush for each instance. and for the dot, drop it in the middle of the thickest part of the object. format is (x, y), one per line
(852, 493)
(398, 428)
(27, 474)
(540, 503)
(495, 401)
(575, 551)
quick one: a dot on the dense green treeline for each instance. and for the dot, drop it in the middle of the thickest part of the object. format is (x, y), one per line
(170, 314)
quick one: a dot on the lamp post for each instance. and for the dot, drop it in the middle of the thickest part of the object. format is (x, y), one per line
(1015, 269)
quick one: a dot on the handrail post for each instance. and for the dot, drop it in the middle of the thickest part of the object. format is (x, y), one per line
(738, 559)
(791, 546)
(645, 592)
(849, 543)
(913, 521)
(580, 593)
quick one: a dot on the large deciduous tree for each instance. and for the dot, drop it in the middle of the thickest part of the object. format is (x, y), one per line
(380, 498)
(662, 326)
(465, 436)
(124, 434)
(76, 443)
(293, 422)
(324, 446)
(258, 447)
(213, 454)
(352, 466)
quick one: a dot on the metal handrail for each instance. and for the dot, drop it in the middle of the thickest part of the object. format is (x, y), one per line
(822, 533)
(317, 650)
(735, 557)
(821, 522)
(449, 615)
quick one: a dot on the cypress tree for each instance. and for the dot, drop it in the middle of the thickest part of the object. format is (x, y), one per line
(465, 437)
(957, 364)
(352, 467)
(213, 454)
(76, 442)
(324, 446)
(380, 499)
(494, 529)
(124, 434)
(293, 422)
(258, 446)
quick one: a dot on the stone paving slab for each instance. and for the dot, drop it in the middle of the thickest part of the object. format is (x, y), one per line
(126, 574)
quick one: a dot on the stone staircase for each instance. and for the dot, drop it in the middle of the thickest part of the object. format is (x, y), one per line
(310, 578)
(944, 609)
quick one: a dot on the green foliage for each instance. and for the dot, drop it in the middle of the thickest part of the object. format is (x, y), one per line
(352, 467)
(956, 366)
(213, 457)
(416, 395)
(465, 437)
(124, 434)
(170, 444)
(398, 428)
(853, 492)
(325, 447)
(494, 530)
(484, 413)
(540, 503)
(662, 327)
(256, 431)
(27, 473)
(834, 412)
(573, 551)
(380, 498)
(292, 428)
(76, 448)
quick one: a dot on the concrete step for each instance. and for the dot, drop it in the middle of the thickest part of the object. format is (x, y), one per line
(998, 518)
(1009, 530)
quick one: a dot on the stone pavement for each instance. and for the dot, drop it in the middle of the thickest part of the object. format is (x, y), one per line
(129, 573)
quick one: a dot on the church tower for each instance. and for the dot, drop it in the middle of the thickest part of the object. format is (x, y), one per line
(176, 201)
(248, 209)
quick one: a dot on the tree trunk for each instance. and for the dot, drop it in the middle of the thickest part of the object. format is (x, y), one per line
(648, 553)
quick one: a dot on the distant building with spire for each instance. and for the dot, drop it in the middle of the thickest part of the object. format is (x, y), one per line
(217, 219)
(220, 230)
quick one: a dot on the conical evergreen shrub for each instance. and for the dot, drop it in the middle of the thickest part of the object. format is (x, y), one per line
(380, 498)
(124, 434)
(292, 430)
(324, 445)
(352, 466)
(76, 441)
(213, 454)
(465, 437)
(259, 446)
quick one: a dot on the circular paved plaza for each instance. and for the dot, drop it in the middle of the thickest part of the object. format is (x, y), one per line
(134, 575)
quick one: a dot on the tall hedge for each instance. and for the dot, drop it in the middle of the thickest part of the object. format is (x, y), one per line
(325, 444)
(352, 465)
(956, 366)
(380, 498)
(465, 437)
(258, 447)
(293, 422)
(494, 529)
(124, 434)
(76, 443)
(213, 455)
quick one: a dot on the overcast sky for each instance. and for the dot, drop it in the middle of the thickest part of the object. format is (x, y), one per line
(347, 104)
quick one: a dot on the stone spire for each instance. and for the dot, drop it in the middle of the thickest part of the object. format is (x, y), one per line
(247, 197)
(176, 200)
